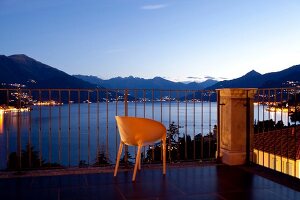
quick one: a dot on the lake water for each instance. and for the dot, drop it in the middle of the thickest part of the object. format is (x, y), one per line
(70, 133)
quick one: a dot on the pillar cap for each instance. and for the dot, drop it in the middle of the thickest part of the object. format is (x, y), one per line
(237, 92)
(247, 89)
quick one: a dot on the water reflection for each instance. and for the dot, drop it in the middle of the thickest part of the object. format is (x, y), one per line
(1, 122)
(261, 113)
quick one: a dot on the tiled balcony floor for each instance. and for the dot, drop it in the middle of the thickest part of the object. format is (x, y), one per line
(188, 182)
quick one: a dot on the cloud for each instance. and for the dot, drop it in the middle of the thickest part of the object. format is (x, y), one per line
(153, 6)
(193, 77)
(209, 77)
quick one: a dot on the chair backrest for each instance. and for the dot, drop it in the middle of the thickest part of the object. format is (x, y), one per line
(140, 131)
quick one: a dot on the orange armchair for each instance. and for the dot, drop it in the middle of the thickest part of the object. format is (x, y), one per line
(139, 132)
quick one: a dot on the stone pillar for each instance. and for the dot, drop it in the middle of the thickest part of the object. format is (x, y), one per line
(236, 115)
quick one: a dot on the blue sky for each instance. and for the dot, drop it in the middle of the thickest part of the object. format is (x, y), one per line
(147, 38)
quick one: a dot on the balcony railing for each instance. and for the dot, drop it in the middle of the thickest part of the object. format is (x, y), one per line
(45, 128)
(276, 141)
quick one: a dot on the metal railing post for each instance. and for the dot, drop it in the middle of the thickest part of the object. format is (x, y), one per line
(19, 149)
(247, 129)
(218, 127)
(126, 114)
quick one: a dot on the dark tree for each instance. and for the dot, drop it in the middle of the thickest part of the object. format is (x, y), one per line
(173, 142)
(29, 159)
(129, 159)
(101, 159)
(295, 116)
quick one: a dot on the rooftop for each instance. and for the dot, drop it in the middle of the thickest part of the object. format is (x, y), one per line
(283, 142)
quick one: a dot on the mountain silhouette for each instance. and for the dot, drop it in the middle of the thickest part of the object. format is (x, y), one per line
(141, 83)
(254, 79)
(24, 70)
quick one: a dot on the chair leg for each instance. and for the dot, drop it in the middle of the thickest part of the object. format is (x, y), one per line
(118, 158)
(137, 160)
(140, 165)
(164, 156)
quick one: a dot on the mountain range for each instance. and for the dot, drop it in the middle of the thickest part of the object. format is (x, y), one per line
(24, 70)
(141, 83)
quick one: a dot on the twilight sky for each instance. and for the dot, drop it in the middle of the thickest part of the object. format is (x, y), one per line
(147, 38)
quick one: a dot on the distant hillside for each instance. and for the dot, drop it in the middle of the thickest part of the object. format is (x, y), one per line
(21, 69)
(254, 79)
(141, 83)
(27, 71)
(156, 83)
